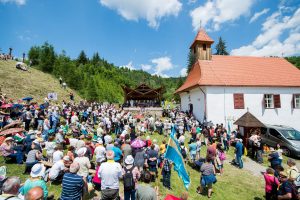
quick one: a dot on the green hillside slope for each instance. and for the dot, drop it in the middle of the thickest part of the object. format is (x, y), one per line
(18, 84)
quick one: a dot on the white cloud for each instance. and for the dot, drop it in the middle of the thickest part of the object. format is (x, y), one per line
(151, 10)
(162, 65)
(258, 14)
(216, 12)
(146, 67)
(280, 36)
(18, 2)
(129, 66)
(183, 72)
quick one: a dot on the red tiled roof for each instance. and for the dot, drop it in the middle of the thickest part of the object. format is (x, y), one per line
(202, 37)
(242, 71)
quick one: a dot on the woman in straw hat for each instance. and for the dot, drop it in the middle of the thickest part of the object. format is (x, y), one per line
(7, 150)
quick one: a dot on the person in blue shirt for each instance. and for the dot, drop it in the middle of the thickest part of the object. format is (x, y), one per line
(239, 152)
(117, 151)
(274, 158)
(193, 149)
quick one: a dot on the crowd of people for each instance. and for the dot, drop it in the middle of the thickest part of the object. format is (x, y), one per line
(92, 146)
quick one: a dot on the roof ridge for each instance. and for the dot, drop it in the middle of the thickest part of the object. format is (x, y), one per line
(236, 56)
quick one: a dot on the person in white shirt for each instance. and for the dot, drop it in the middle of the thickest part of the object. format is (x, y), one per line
(100, 131)
(74, 119)
(58, 169)
(50, 146)
(110, 172)
(58, 154)
(181, 139)
(100, 152)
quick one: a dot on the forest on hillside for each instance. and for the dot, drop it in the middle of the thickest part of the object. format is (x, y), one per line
(94, 78)
(295, 60)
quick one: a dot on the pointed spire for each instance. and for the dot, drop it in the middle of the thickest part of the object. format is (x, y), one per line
(202, 37)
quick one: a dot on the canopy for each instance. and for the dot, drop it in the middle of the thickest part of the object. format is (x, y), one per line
(249, 120)
(11, 131)
(7, 105)
(18, 106)
(27, 98)
(138, 143)
(14, 123)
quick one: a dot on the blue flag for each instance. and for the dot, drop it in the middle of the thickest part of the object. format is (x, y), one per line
(173, 153)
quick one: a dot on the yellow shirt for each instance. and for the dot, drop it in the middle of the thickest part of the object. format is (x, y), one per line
(162, 148)
(292, 172)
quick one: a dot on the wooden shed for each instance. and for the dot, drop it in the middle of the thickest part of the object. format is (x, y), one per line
(248, 123)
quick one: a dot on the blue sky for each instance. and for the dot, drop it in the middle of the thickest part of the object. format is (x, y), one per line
(153, 35)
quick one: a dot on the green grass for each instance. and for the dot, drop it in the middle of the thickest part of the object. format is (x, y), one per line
(233, 184)
(18, 84)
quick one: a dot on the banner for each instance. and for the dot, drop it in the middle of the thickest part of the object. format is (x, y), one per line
(52, 96)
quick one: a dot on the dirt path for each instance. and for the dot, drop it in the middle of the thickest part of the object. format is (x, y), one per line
(251, 166)
(254, 167)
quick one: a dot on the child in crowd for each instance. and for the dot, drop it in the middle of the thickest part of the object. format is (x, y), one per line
(221, 156)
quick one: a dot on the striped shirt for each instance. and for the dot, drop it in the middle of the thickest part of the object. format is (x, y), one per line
(72, 187)
(31, 157)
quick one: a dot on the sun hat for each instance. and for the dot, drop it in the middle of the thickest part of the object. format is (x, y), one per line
(129, 160)
(100, 141)
(81, 151)
(66, 158)
(38, 170)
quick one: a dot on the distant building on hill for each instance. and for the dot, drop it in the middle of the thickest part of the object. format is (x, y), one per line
(221, 88)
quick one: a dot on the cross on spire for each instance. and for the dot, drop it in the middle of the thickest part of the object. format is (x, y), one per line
(200, 24)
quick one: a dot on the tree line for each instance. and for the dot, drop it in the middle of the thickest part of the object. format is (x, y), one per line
(95, 79)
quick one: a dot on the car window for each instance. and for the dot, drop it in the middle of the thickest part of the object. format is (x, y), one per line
(274, 133)
(263, 131)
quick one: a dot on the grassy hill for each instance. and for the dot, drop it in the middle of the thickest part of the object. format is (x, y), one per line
(18, 84)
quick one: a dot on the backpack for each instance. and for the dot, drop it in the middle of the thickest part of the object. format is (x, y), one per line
(128, 179)
(295, 193)
(183, 152)
(274, 189)
(297, 180)
(222, 156)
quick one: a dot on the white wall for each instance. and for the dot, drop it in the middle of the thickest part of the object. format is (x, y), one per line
(220, 105)
(195, 97)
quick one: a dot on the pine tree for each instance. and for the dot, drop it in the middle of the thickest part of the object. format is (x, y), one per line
(221, 47)
(82, 58)
(96, 59)
(191, 61)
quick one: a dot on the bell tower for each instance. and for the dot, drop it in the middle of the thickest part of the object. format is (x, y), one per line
(201, 47)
